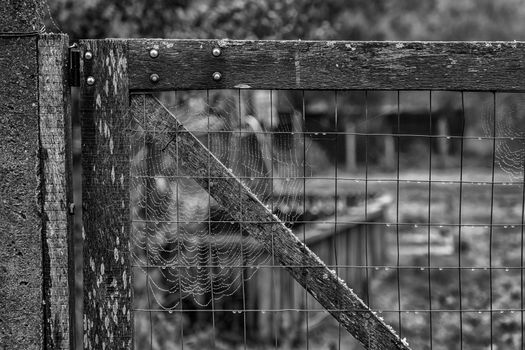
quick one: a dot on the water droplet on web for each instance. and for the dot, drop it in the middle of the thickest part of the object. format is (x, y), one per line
(170, 311)
(448, 137)
(506, 270)
(287, 179)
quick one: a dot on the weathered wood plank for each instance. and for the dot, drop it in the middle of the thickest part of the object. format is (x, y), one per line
(195, 160)
(21, 272)
(108, 322)
(318, 65)
(55, 142)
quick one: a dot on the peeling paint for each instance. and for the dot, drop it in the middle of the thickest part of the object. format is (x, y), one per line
(98, 101)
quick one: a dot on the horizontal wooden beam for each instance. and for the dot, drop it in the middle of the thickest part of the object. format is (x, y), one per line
(194, 159)
(327, 65)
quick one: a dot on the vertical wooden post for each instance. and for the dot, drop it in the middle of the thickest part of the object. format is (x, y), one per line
(108, 322)
(33, 221)
(57, 195)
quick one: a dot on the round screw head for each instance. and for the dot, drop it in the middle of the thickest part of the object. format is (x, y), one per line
(216, 51)
(90, 80)
(154, 53)
(217, 76)
(88, 55)
(154, 78)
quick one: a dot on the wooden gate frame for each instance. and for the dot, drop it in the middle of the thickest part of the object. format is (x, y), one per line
(36, 266)
(113, 69)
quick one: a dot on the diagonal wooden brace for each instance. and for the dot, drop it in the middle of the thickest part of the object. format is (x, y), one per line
(237, 199)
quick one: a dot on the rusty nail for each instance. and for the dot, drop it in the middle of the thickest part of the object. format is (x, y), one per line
(154, 53)
(217, 76)
(90, 80)
(216, 51)
(154, 78)
(88, 55)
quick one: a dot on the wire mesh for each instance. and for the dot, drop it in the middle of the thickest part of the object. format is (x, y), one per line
(415, 199)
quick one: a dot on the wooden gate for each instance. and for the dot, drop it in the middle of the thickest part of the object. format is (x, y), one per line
(244, 216)
(118, 78)
(114, 106)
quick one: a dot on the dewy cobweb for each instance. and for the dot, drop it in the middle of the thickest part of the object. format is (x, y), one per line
(183, 244)
(505, 119)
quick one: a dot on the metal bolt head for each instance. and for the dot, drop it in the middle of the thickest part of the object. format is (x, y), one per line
(88, 55)
(217, 76)
(154, 78)
(90, 80)
(216, 51)
(154, 53)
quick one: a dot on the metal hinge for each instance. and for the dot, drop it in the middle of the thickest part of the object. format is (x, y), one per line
(74, 65)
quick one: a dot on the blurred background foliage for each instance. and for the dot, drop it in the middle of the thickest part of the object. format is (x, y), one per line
(293, 19)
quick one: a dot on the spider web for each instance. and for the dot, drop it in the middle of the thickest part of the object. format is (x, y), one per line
(185, 245)
(509, 131)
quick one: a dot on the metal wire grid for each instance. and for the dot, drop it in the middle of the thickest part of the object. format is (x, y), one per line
(370, 178)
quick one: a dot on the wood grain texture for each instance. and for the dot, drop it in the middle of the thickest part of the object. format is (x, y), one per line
(21, 272)
(318, 65)
(108, 321)
(324, 285)
(55, 142)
